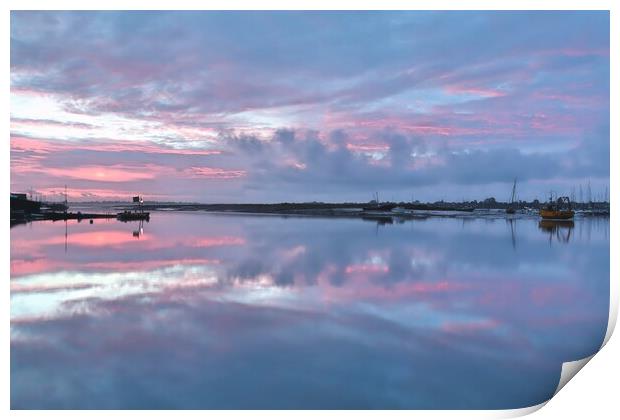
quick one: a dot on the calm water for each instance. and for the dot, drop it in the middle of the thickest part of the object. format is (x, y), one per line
(211, 311)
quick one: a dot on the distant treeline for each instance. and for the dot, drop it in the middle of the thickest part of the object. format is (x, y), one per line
(490, 203)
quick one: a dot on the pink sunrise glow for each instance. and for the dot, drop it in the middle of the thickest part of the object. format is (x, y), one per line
(167, 123)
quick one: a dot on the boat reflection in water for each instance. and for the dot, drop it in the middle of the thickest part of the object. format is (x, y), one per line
(140, 230)
(560, 229)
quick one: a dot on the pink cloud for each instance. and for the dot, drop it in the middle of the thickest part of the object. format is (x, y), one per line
(366, 147)
(214, 173)
(26, 144)
(81, 193)
(478, 91)
(102, 238)
(437, 123)
(116, 173)
(293, 163)
(98, 238)
(217, 241)
(544, 295)
(21, 267)
(29, 122)
(366, 268)
(466, 327)
(365, 288)
(568, 99)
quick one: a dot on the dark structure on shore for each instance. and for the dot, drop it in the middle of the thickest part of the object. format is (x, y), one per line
(20, 204)
(24, 210)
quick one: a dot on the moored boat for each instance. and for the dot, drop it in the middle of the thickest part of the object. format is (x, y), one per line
(138, 214)
(380, 207)
(512, 207)
(133, 215)
(557, 210)
(557, 214)
(376, 205)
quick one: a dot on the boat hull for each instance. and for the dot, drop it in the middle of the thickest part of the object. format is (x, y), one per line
(557, 214)
(124, 217)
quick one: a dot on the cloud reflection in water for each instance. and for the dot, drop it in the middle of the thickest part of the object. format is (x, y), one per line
(206, 311)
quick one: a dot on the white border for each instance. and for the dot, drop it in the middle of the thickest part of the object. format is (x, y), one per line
(314, 5)
(591, 392)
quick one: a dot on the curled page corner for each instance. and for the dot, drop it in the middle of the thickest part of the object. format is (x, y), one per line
(613, 316)
(520, 412)
(570, 369)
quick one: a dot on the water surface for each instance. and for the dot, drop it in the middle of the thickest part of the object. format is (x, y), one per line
(196, 310)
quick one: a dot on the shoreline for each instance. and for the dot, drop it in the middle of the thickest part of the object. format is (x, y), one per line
(357, 211)
(315, 210)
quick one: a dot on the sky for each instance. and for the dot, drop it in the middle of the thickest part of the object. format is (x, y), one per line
(303, 106)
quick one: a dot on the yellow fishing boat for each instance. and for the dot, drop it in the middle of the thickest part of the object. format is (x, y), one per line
(557, 214)
(557, 210)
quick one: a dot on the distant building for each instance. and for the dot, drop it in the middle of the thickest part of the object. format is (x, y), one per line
(20, 203)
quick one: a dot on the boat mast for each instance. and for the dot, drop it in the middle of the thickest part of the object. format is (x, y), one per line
(514, 190)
